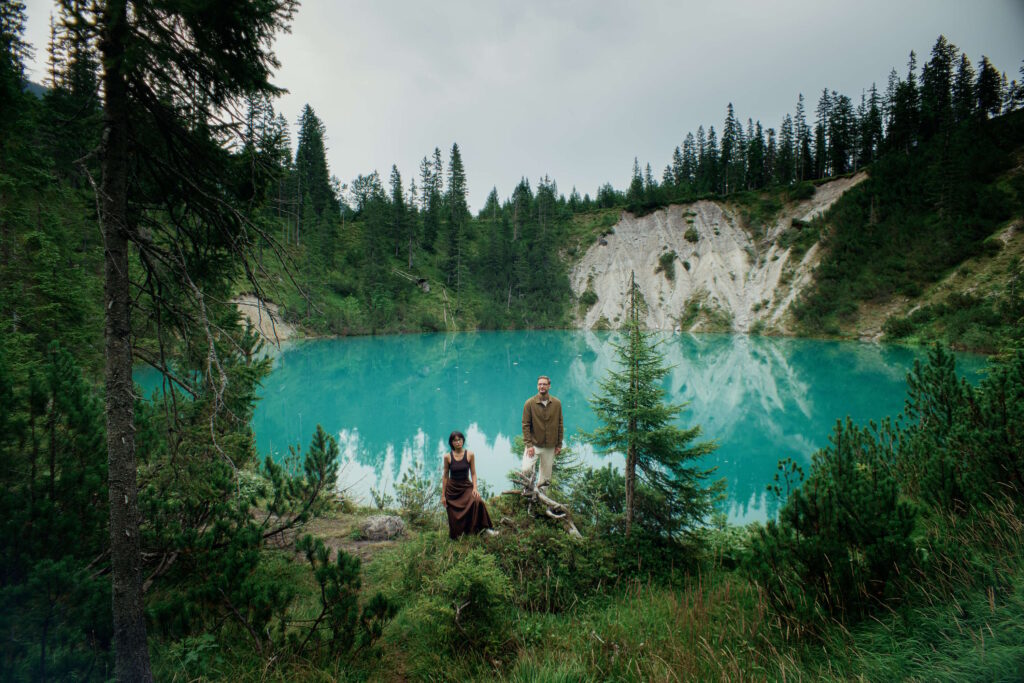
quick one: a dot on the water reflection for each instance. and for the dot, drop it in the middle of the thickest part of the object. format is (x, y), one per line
(391, 401)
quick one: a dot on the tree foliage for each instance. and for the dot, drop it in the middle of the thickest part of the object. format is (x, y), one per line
(637, 422)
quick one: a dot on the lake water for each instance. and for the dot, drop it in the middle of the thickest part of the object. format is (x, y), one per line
(392, 401)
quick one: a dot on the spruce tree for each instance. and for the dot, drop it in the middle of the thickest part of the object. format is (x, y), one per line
(637, 422)
(170, 72)
(311, 161)
(988, 89)
(458, 222)
(635, 193)
(937, 87)
(786, 157)
(964, 100)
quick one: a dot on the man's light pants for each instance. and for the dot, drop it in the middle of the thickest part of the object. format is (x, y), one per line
(547, 459)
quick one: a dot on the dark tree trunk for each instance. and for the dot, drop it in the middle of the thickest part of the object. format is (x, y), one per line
(630, 486)
(132, 655)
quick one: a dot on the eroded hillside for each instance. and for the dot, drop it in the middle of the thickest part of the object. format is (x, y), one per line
(700, 267)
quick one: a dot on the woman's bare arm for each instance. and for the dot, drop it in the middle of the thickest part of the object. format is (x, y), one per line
(472, 470)
(444, 481)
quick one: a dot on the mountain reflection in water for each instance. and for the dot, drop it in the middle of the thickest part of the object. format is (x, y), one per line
(392, 401)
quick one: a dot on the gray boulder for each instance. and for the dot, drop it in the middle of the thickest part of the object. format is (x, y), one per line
(382, 528)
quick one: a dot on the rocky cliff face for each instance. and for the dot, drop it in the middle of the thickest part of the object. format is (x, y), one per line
(724, 276)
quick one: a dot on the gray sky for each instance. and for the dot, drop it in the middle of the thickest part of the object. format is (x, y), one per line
(576, 88)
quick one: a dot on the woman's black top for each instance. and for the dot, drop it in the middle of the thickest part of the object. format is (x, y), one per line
(459, 469)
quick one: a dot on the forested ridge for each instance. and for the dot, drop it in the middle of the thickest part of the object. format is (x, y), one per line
(135, 240)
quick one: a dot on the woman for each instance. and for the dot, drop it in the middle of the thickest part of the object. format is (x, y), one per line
(467, 513)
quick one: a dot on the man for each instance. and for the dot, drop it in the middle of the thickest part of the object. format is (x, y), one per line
(542, 431)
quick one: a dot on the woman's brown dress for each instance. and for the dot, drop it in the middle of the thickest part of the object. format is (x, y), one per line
(467, 514)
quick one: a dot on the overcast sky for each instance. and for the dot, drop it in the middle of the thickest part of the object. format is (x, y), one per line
(576, 89)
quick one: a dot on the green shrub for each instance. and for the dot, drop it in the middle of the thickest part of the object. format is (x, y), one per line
(897, 327)
(692, 235)
(588, 298)
(667, 265)
(842, 538)
(963, 444)
(418, 495)
(992, 245)
(466, 606)
(800, 191)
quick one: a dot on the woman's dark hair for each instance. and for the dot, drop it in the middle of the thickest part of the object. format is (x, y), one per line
(456, 433)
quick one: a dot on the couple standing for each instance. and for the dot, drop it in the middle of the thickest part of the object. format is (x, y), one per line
(542, 435)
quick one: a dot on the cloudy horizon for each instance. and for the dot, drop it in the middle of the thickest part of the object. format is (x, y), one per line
(575, 90)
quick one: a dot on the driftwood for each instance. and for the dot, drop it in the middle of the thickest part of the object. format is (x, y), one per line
(533, 495)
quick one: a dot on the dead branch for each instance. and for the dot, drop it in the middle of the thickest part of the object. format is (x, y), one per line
(534, 496)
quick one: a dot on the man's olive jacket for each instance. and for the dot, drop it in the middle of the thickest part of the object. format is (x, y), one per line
(542, 425)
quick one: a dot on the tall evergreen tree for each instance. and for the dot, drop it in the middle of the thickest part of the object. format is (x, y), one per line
(458, 221)
(402, 233)
(804, 159)
(756, 153)
(676, 170)
(870, 129)
(989, 89)
(713, 170)
(311, 166)
(841, 135)
(964, 100)
(635, 193)
(14, 51)
(785, 166)
(168, 71)
(771, 154)
(636, 421)
(905, 114)
(431, 203)
(823, 113)
(936, 88)
(689, 162)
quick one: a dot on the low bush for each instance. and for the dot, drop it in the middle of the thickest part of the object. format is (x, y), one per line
(667, 265)
(418, 495)
(842, 538)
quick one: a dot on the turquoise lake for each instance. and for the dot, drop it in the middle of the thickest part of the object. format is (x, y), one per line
(392, 401)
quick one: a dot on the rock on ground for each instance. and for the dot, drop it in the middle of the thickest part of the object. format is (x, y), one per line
(382, 528)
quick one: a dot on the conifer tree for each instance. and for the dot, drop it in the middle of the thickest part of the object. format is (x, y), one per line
(756, 152)
(870, 129)
(168, 71)
(903, 127)
(713, 170)
(786, 157)
(458, 221)
(689, 162)
(989, 89)
(400, 219)
(311, 166)
(804, 160)
(822, 168)
(637, 422)
(936, 88)
(14, 51)
(771, 154)
(676, 168)
(964, 100)
(635, 193)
